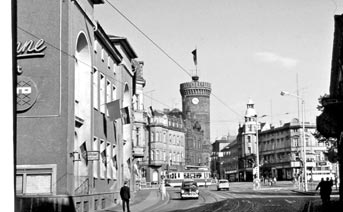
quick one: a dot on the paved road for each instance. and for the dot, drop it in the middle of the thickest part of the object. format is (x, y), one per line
(241, 197)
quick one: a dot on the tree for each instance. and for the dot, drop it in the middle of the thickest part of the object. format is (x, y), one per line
(330, 131)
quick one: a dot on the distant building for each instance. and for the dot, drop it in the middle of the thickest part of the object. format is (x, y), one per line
(230, 158)
(166, 147)
(247, 146)
(217, 157)
(139, 130)
(196, 109)
(281, 153)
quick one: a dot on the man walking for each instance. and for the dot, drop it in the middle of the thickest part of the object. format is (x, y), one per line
(325, 190)
(125, 196)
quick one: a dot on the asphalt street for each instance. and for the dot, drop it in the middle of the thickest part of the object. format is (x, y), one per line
(283, 197)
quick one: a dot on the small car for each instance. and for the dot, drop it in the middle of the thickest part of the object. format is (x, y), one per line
(189, 189)
(223, 184)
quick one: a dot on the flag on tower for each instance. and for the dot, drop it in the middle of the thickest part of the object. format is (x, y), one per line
(194, 52)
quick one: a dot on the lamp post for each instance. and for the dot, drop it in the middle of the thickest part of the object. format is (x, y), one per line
(284, 93)
(257, 149)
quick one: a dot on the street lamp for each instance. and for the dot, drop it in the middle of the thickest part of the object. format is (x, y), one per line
(284, 93)
(257, 151)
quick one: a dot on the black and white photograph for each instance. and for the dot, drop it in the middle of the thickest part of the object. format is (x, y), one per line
(174, 106)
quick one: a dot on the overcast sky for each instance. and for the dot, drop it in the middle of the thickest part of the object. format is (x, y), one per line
(246, 49)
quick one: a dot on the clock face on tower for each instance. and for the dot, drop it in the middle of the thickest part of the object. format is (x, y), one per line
(195, 101)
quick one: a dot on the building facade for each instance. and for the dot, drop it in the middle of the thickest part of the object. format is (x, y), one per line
(69, 152)
(247, 145)
(281, 153)
(166, 146)
(217, 158)
(231, 157)
(196, 108)
(139, 132)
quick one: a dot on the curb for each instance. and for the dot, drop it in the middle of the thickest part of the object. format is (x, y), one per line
(304, 192)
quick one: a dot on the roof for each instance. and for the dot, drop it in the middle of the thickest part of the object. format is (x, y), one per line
(125, 44)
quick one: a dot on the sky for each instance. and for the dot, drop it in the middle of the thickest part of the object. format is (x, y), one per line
(246, 49)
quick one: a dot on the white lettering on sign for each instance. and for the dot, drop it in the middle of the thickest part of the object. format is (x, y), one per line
(30, 48)
(23, 90)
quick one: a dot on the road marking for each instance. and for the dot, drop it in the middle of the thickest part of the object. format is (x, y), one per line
(290, 201)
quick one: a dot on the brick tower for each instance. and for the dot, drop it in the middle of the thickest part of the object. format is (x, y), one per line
(196, 106)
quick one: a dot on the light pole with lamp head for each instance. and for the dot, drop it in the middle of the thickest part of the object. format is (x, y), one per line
(284, 93)
(257, 149)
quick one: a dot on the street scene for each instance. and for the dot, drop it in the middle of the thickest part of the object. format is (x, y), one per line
(193, 105)
(283, 196)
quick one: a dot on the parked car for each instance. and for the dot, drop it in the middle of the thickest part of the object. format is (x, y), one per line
(189, 189)
(223, 184)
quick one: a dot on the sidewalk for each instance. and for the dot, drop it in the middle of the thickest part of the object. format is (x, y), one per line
(143, 199)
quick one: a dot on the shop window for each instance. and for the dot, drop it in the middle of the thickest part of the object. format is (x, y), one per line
(36, 179)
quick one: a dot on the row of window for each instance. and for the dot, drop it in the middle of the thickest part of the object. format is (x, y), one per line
(162, 137)
(104, 91)
(106, 167)
(279, 133)
(104, 56)
(159, 155)
(284, 143)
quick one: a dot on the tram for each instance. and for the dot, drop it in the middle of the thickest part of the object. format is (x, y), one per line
(201, 175)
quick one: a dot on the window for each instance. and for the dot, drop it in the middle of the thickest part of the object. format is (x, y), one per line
(95, 88)
(109, 62)
(157, 155)
(102, 55)
(36, 179)
(102, 93)
(95, 162)
(108, 93)
(114, 94)
(249, 139)
(152, 136)
(296, 142)
(19, 183)
(95, 47)
(249, 150)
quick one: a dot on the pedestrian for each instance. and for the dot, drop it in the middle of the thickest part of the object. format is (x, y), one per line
(125, 196)
(325, 190)
(163, 188)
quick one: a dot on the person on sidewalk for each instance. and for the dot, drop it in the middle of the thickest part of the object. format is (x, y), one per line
(163, 188)
(325, 190)
(125, 196)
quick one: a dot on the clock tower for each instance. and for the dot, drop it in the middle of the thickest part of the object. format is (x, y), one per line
(196, 105)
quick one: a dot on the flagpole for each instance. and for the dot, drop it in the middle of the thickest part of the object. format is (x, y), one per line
(196, 64)
(194, 52)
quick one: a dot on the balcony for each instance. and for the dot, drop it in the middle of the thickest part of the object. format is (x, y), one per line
(137, 152)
